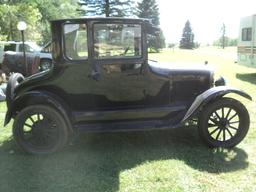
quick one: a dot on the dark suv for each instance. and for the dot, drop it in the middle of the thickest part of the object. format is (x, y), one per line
(103, 81)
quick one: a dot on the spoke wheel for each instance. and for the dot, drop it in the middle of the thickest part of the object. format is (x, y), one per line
(224, 123)
(40, 129)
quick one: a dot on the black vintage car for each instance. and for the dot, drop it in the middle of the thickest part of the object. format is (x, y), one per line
(103, 81)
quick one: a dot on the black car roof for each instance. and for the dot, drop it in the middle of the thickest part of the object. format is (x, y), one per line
(136, 20)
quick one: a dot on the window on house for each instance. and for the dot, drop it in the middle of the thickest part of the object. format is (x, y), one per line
(246, 34)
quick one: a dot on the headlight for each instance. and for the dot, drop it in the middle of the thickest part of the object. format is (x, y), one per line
(220, 82)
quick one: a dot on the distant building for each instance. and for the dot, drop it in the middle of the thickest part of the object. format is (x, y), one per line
(246, 48)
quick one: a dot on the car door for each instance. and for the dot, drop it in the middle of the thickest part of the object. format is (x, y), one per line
(118, 58)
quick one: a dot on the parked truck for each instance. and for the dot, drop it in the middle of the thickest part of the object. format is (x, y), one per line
(14, 50)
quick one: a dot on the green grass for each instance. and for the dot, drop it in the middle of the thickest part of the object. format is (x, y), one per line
(173, 160)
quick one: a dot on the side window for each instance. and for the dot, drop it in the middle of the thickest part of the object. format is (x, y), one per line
(75, 41)
(117, 40)
(10, 47)
(246, 34)
(27, 48)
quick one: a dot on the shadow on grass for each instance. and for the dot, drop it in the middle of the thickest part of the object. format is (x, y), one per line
(94, 161)
(249, 77)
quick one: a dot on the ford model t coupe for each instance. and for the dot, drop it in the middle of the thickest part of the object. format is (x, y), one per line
(102, 81)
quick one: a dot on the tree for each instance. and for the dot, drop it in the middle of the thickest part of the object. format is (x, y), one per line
(149, 9)
(228, 42)
(108, 8)
(50, 10)
(36, 14)
(11, 14)
(187, 39)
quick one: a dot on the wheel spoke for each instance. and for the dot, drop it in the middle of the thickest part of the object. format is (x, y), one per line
(30, 126)
(233, 122)
(212, 125)
(229, 132)
(218, 134)
(233, 127)
(38, 117)
(232, 116)
(214, 121)
(214, 130)
(31, 119)
(222, 112)
(224, 135)
(215, 112)
(228, 113)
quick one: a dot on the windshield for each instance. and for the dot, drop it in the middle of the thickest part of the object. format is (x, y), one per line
(34, 46)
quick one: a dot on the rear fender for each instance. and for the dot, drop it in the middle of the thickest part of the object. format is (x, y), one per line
(38, 97)
(210, 95)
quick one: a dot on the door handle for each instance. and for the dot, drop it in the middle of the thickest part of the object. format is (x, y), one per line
(95, 75)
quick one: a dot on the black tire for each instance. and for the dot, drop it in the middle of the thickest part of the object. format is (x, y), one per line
(13, 81)
(224, 123)
(40, 129)
(45, 64)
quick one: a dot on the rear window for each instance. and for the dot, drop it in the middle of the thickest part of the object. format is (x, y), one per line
(75, 41)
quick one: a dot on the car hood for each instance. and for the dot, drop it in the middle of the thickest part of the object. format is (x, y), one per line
(169, 69)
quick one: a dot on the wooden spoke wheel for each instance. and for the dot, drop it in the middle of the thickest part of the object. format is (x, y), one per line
(40, 129)
(224, 123)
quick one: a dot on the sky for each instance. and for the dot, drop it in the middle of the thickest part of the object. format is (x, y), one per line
(206, 17)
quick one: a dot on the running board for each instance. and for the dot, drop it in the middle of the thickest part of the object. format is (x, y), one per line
(128, 114)
(127, 126)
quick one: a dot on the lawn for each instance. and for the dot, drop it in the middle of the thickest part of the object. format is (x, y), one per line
(173, 160)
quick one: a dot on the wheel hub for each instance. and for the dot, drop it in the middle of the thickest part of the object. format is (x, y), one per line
(223, 123)
(39, 127)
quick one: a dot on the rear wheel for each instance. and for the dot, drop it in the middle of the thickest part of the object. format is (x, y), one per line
(40, 129)
(224, 123)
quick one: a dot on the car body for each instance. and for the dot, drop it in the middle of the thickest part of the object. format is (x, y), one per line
(14, 50)
(102, 80)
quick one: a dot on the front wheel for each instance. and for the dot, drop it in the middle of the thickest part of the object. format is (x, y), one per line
(224, 123)
(40, 129)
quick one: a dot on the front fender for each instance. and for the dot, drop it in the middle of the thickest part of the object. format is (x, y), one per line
(38, 97)
(209, 95)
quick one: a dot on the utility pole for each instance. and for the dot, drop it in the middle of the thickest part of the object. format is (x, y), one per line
(223, 31)
(107, 8)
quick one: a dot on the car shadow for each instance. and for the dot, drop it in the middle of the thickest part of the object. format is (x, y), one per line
(249, 77)
(93, 162)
